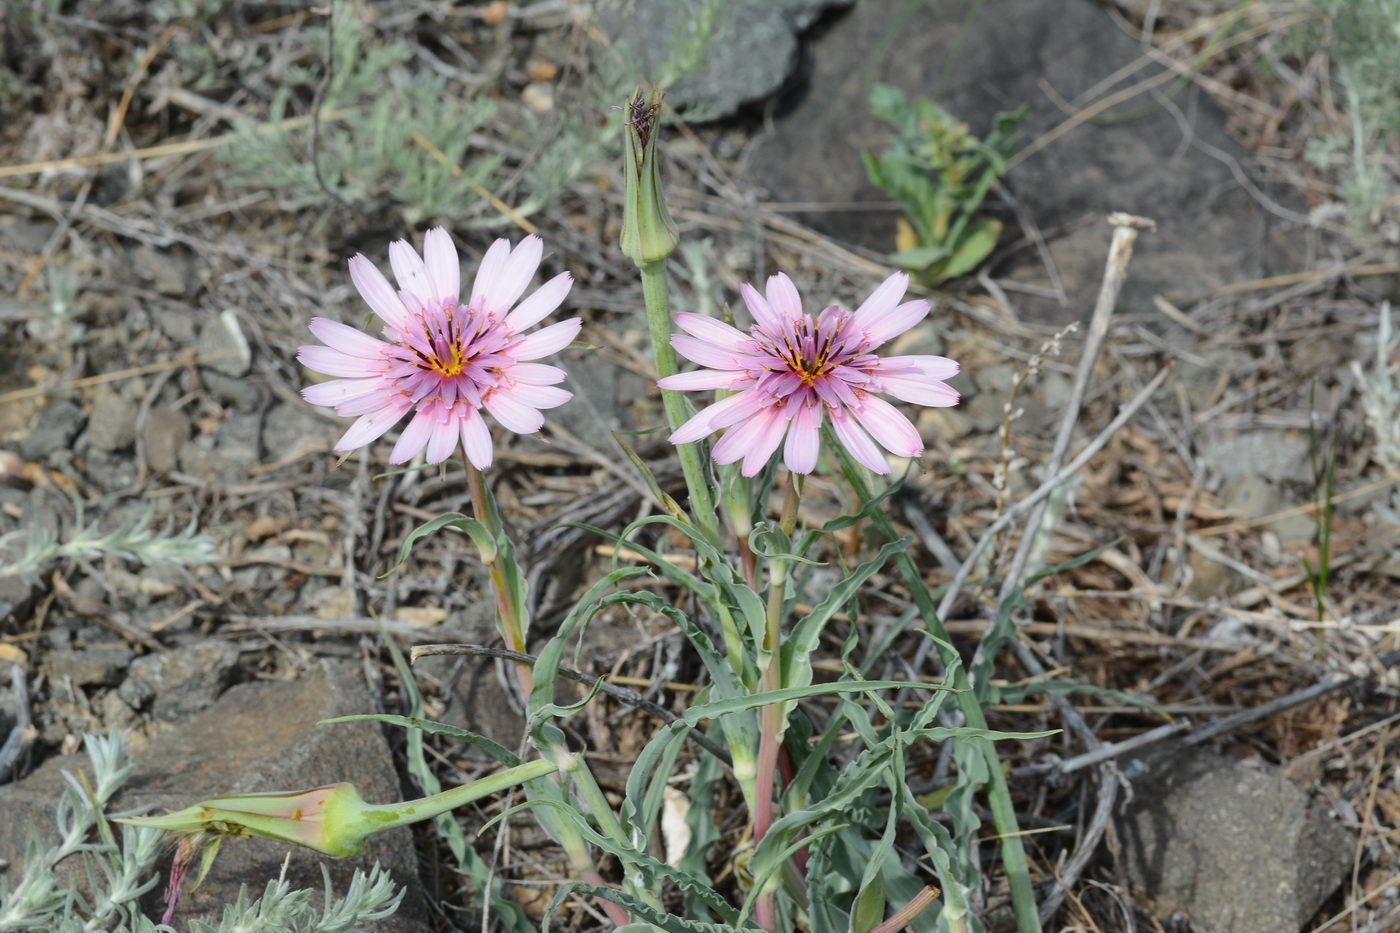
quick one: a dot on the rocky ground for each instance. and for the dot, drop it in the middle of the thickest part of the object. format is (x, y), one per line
(151, 307)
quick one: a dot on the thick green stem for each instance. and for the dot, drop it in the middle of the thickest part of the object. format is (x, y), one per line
(389, 815)
(1013, 854)
(702, 503)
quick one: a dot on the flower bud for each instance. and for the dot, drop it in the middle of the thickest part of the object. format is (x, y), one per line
(333, 819)
(648, 233)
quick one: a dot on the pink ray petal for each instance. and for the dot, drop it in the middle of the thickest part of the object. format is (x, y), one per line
(442, 439)
(714, 331)
(705, 353)
(377, 292)
(335, 363)
(537, 374)
(541, 303)
(892, 430)
(409, 271)
(861, 447)
(703, 379)
(539, 396)
(340, 390)
(415, 435)
(348, 340)
(443, 269)
(763, 314)
(931, 367)
(515, 276)
(754, 430)
(920, 391)
(492, 264)
(773, 425)
(894, 322)
(783, 297)
(804, 439)
(881, 301)
(513, 415)
(372, 425)
(476, 439)
(546, 340)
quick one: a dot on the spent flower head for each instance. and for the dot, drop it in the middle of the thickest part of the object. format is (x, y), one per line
(441, 358)
(794, 371)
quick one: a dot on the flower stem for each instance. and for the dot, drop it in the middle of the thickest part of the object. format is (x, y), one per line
(509, 621)
(771, 718)
(702, 504)
(389, 815)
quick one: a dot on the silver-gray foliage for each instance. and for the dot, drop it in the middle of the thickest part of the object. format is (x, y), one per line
(118, 869)
(133, 540)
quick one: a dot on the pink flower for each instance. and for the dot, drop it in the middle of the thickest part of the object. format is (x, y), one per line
(441, 359)
(792, 371)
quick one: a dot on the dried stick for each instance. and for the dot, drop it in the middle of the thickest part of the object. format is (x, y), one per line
(1120, 252)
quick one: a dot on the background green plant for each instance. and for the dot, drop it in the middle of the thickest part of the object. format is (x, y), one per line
(939, 174)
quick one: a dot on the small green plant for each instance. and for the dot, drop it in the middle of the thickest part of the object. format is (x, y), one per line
(939, 174)
(131, 540)
(119, 871)
(1324, 473)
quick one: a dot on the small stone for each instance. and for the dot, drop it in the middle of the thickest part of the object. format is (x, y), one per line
(116, 714)
(88, 667)
(169, 271)
(334, 602)
(183, 681)
(265, 526)
(112, 426)
(222, 346)
(176, 323)
(538, 96)
(165, 430)
(58, 425)
(1235, 848)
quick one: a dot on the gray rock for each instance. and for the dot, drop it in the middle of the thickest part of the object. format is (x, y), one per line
(603, 394)
(88, 667)
(243, 394)
(226, 456)
(177, 323)
(1238, 849)
(726, 53)
(170, 270)
(58, 425)
(164, 432)
(1140, 159)
(259, 737)
(1265, 453)
(183, 681)
(292, 426)
(112, 426)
